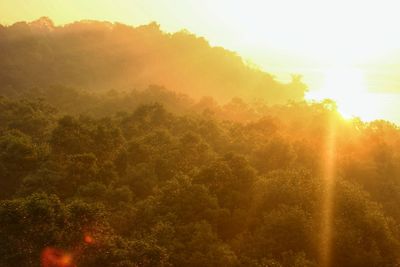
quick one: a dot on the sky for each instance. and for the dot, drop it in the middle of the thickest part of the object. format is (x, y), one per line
(313, 37)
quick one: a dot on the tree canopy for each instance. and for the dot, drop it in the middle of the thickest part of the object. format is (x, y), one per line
(152, 177)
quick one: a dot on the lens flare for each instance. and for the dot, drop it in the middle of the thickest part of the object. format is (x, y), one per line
(52, 257)
(88, 239)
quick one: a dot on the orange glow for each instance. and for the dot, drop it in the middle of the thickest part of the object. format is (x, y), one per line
(310, 46)
(52, 257)
(328, 174)
(88, 239)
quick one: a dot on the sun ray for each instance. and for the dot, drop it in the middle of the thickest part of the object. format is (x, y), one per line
(328, 175)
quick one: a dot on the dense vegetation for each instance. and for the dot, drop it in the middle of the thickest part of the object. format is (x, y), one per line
(99, 55)
(155, 178)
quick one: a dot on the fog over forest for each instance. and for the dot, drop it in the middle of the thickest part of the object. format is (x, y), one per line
(126, 146)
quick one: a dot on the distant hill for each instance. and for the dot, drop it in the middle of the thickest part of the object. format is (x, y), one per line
(100, 56)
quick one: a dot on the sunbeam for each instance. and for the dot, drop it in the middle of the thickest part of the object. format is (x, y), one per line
(328, 174)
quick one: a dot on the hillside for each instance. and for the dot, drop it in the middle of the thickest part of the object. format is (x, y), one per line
(100, 55)
(113, 155)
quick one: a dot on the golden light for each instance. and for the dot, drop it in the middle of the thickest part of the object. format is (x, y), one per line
(281, 37)
(327, 205)
(347, 87)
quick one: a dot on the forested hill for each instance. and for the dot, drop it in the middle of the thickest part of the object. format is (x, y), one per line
(151, 177)
(102, 55)
(138, 185)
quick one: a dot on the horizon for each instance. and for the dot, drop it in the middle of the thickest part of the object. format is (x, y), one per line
(322, 82)
(199, 133)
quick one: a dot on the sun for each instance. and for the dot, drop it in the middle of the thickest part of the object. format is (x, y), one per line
(347, 87)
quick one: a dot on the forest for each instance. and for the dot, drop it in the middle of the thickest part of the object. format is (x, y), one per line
(128, 147)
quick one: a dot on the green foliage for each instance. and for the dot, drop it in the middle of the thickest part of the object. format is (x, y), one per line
(18, 157)
(33, 118)
(193, 190)
(29, 225)
(116, 179)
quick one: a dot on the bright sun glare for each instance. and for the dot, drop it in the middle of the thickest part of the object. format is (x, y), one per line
(346, 86)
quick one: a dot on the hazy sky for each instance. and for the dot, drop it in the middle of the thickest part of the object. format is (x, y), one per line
(282, 36)
(330, 32)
